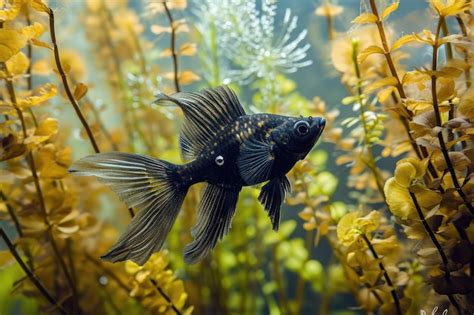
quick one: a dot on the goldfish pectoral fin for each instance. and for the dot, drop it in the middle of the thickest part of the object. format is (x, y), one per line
(205, 113)
(146, 184)
(214, 219)
(272, 196)
(255, 160)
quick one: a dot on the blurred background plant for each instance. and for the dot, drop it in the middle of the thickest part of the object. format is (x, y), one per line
(391, 232)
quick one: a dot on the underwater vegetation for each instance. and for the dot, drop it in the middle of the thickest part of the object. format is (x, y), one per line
(379, 219)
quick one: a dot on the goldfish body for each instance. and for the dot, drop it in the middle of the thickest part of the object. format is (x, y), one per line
(226, 148)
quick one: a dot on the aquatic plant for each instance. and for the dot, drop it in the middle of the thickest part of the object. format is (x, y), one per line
(244, 39)
(394, 236)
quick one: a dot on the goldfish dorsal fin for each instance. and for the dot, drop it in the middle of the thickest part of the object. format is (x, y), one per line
(205, 115)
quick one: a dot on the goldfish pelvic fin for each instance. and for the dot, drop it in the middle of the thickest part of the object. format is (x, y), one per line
(206, 113)
(149, 185)
(256, 160)
(214, 219)
(272, 196)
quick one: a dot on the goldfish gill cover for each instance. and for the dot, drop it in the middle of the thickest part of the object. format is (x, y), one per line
(377, 218)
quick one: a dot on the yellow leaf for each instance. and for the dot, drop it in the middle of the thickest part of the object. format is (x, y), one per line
(188, 49)
(6, 259)
(427, 199)
(40, 43)
(46, 92)
(44, 131)
(414, 77)
(33, 31)
(403, 41)
(449, 39)
(329, 10)
(352, 225)
(345, 231)
(80, 91)
(398, 199)
(18, 64)
(458, 6)
(11, 41)
(384, 94)
(389, 10)
(437, 5)
(404, 174)
(369, 51)
(187, 77)
(53, 163)
(418, 105)
(388, 81)
(458, 159)
(466, 104)
(8, 13)
(38, 5)
(365, 18)
(425, 37)
(41, 67)
(445, 89)
(158, 29)
(177, 4)
(165, 53)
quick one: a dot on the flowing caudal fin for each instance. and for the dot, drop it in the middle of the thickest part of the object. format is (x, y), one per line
(151, 186)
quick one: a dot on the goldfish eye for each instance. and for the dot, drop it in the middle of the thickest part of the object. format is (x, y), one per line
(219, 160)
(301, 128)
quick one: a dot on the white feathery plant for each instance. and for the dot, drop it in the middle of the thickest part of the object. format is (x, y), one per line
(250, 44)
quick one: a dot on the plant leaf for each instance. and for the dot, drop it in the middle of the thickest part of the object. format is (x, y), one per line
(18, 64)
(11, 43)
(389, 10)
(365, 18)
(369, 51)
(403, 41)
(80, 91)
(388, 81)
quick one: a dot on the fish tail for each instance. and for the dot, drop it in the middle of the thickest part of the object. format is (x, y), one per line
(151, 186)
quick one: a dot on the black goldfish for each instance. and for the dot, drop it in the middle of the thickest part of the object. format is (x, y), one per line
(226, 148)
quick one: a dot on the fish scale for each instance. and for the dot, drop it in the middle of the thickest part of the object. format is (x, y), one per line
(226, 149)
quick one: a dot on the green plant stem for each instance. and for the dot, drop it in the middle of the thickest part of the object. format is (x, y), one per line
(33, 278)
(369, 147)
(386, 276)
(438, 246)
(174, 54)
(67, 89)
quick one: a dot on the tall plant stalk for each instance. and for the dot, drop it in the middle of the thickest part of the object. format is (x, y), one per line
(370, 162)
